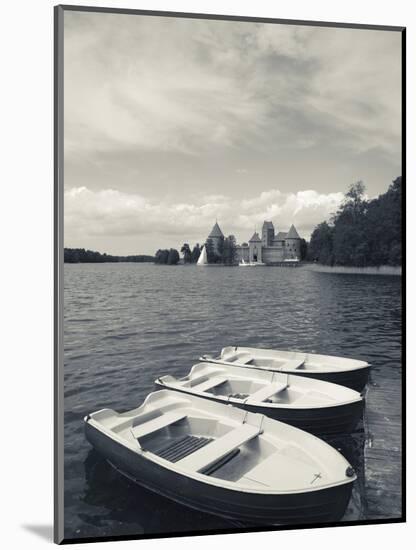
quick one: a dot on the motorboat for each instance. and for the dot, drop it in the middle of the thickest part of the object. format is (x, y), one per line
(321, 408)
(223, 460)
(351, 373)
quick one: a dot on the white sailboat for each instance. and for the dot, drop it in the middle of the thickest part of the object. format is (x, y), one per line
(243, 263)
(203, 259)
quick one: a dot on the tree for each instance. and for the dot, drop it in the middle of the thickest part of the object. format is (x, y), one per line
(229, 250)
(196, 252)
(303, 249)
(320, 246)
(350, 228)
(363, 232)
(173, 257)
(161, 257)
(211, 256)
(187, 255)
(355, 194)
(220, 249)
(232, 249)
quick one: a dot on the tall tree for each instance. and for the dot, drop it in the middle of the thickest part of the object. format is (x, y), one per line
(196, 251)
(320, 246)
(229, 250)
(303, 249)
(211, 256)
(363, 232)
(186, 251)
(220, 250)
(173, 257)
(161, 256)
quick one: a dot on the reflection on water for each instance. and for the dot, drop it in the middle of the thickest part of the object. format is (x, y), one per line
(127, 324)
(352, 447)
(132, 508)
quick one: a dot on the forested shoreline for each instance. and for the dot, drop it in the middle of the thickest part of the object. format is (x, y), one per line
(82, 256)
(363, 232)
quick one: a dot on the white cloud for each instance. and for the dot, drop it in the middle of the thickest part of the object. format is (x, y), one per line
(112, 213)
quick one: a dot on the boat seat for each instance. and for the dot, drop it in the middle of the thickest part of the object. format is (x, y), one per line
(216, 450)
(244, 359)
(293, 364)
(162, 421)
(209, 384)
(204, 377)
(265, 392)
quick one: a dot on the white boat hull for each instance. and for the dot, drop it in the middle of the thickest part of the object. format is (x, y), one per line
(350, 373)
(258, 505)
(318, 407)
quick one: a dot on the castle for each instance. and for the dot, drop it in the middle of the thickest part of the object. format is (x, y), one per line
(270, 249)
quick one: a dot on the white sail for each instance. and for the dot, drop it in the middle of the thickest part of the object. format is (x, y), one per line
(203, 260)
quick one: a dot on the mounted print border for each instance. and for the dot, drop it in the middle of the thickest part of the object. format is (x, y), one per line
(280, 250)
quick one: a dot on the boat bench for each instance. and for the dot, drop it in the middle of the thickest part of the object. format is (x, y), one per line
(162, 421)
(293, 364)
(218, 449)
(244, 359)
(265, 392)
(209, 384)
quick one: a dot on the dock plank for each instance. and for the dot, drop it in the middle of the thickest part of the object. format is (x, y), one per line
(383, 450)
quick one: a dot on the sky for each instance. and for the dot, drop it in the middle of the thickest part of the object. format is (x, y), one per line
(170, 124)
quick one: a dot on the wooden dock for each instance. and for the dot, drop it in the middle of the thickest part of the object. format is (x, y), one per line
(288, 263)
(383, 450)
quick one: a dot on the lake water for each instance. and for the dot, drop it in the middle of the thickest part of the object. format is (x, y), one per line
(126, 324)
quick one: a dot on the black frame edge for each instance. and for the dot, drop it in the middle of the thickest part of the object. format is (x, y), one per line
(58, 523)
(252, 19)
(404, 274)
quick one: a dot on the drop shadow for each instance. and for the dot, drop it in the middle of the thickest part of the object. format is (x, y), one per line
(44, 532)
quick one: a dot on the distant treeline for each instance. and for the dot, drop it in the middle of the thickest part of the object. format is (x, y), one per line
(363, 232)
(82, 256)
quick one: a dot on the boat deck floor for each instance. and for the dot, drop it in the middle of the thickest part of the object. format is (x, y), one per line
(180, 448)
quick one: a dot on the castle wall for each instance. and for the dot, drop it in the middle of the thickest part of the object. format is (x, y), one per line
(292, 248)
(273, 254)
(255, 251)
(243, 253)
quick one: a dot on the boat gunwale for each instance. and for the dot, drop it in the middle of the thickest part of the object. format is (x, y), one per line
(219, 361)
(246, 401)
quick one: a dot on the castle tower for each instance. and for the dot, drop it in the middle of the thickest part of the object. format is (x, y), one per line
(216, 236)
(267, 234)
(255, 246)
(292, 244)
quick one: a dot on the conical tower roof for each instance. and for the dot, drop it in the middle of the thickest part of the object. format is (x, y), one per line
(216, 231)
(292, 234)
(255, 238)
